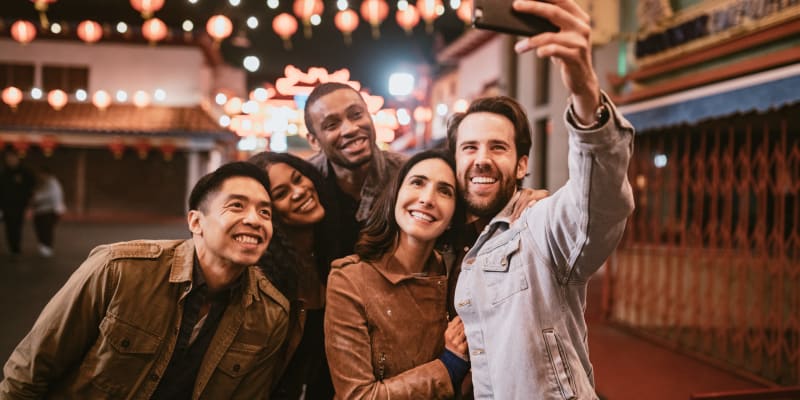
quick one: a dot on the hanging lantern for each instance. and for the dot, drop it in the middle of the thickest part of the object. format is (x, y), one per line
(285, 26)
(141, 99)
(219, 27)
(147, 7)
(407, 19)
(346, 21)
(57, 99)
(423, 114)
(154, 30)
(117, 147)
(168, 150)
(90, 31)
(142, 147)
(304, 9)
(464, 12)
(41, 7)
(233, 106)
(12, 96)
(48, 145)
(101, 99)
(23, 31)
(429, 10)
(374, 12)
(21, 146)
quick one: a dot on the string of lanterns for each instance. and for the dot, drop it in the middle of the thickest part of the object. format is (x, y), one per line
(285, 25)
(58, 99)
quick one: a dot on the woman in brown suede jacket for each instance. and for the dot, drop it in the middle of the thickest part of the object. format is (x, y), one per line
(386, 325)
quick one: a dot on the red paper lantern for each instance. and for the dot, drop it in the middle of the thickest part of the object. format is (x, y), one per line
(117, 147)
(219, 27)
(464, 11)
(168, 150)
(57, 99)
(407, 19)
(23, 31)
(21, 146)
(154, 30)
(48, 145)
(285, 26)
(428, 10)
(304, 9)
(90, 31)
(374, 12)
(142, 148)
(147, 7)
(41, 7)
(101, 99)
(12, 96)
(346, 21)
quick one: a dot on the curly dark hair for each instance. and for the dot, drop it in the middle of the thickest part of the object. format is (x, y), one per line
(381, 230)
(326, 247)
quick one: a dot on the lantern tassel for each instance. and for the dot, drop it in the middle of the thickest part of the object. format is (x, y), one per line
(348, 40)
(376, 31)
(307, 29)
(287, 44)
(43, 20)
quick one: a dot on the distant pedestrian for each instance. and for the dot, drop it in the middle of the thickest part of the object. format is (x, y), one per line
(48, 205)
(16, 188)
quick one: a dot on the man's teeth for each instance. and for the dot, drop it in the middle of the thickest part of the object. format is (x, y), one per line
(421, 216)
(483, 179)
(246, 239)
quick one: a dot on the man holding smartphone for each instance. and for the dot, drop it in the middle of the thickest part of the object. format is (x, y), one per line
(521, 291)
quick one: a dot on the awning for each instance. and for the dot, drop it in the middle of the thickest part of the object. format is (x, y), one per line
(758, 92)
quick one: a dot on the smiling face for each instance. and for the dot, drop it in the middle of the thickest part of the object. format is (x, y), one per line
(342, 128)
(234, 225)
(486, 162)
(294, 196)
(426, 201)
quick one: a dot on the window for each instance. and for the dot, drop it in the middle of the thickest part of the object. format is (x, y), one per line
(17, 75)
(66, 78)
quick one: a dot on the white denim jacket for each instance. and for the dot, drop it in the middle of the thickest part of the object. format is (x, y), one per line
(522, 289)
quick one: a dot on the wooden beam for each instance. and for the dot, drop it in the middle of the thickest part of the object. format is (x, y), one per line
(701, 78)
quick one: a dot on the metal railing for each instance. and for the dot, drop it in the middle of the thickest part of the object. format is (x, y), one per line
(710, 261)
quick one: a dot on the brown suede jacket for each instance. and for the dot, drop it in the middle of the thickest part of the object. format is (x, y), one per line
(384, 330)
(111, 330)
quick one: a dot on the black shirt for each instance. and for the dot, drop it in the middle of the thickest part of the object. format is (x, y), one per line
(181, 373)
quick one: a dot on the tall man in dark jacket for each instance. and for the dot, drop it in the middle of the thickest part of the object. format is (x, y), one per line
(16, 189)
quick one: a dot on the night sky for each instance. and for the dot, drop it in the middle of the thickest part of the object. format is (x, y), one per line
(370, 61)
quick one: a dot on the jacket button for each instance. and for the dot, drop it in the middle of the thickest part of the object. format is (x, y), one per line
(236, 368)
(153, 377)
(125, 343)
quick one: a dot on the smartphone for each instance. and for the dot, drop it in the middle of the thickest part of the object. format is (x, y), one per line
(498, 15)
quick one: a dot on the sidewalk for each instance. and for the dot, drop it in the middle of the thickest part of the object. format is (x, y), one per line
(628, 367)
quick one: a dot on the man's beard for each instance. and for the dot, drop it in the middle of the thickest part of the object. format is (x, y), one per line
(481, 208)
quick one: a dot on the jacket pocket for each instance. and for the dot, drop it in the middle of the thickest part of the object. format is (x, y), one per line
(504, 272)
(240, 359)
(559, 362)
(122, 353)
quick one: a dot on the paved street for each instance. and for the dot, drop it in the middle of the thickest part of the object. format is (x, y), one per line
(28, 282)
(626, 366)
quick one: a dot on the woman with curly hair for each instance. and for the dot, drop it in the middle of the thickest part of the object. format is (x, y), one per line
(303, 213)
(387, 334)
